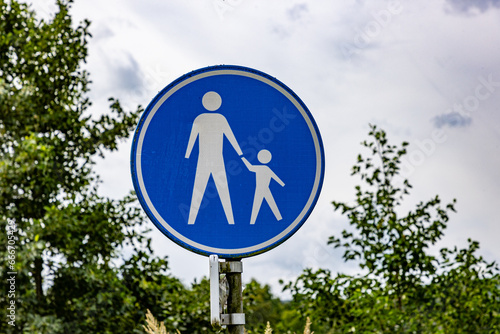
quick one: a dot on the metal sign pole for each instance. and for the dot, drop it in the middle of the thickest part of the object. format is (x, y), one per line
(235, 298)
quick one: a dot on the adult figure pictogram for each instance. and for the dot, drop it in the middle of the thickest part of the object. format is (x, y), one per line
(210, 129)
(263, 177)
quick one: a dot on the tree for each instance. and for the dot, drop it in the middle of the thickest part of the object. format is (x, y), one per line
(403, 288)
(48, 145)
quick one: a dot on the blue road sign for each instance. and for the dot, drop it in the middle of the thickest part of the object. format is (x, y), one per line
(227, 160)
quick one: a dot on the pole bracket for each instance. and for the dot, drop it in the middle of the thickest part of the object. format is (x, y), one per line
(230, 267)
(233, 319)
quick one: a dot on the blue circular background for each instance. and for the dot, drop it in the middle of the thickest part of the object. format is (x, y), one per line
(261, 117)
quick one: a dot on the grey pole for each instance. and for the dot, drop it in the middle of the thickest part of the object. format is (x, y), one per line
(235, 298)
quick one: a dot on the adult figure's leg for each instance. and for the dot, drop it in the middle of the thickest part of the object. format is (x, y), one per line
(200, 184)
(222, 186)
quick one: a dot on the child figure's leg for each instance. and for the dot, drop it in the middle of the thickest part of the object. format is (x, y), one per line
(272, 204)
(257, 201)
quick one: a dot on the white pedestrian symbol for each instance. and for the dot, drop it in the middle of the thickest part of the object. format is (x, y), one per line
(263, 177)
(210, 129)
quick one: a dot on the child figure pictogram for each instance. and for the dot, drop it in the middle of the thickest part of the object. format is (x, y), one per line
(263, 176)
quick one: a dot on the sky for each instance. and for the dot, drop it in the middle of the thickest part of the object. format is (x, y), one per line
(426, 72)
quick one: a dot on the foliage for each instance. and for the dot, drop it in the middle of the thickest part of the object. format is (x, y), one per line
(261, 307)
(404, 288)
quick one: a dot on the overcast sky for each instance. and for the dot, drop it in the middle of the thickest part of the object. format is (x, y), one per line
(426, 72)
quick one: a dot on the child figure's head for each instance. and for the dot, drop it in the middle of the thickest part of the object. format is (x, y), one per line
(264, 156)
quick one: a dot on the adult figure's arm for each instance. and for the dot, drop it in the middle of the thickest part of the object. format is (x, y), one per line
(230, 136)
(192, 138)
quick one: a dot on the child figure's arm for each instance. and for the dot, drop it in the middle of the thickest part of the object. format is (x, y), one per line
(249, 166)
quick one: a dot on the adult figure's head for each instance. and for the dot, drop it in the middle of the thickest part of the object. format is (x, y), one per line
(211, 101)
